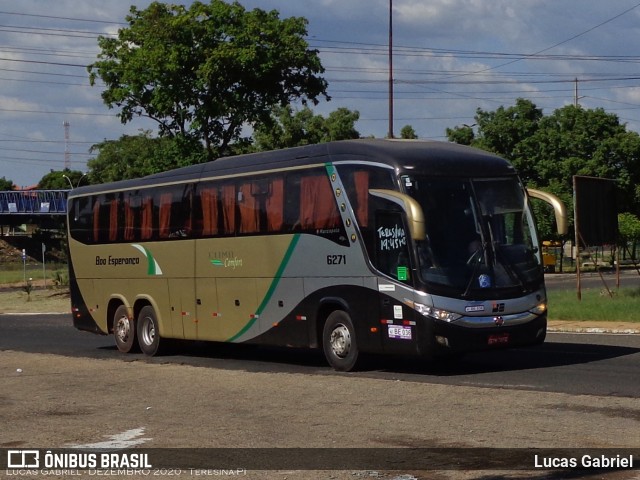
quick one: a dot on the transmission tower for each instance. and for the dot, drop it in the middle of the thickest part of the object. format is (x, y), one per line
(67, 154)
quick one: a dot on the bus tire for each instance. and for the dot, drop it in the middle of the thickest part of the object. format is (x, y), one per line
(124, 330)
(148, 332)
(339, 342)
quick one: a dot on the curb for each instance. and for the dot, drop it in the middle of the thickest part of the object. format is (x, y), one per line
(574, 327)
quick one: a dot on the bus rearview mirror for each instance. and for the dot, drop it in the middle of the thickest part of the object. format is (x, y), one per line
(413, 210)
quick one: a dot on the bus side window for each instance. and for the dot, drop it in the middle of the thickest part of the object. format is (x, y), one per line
(207, 208)
(358, 179)
(310, 206)
(228, 208)
(174, 211)
(248, 207)
(96, 219)
(146, 217)
(113, 218)
(274, 206)
(184, 217)
(292, 202)
(164, 214)
(81, 227)
(105, 218)
(318, 209)
(131, 207)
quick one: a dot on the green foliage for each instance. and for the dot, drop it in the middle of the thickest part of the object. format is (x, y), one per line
(6, 184)
(596, 305)
(549, 150)
(463, 135)
(55, 180)
(287, 128)
(629, 226)
(629, 232)
(140, 155)
(502, 131)
(61, 279)
(206, 71)
(27, 288)
(408, 133)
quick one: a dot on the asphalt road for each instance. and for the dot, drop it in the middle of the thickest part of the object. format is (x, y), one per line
(628, 278)
(576, 364)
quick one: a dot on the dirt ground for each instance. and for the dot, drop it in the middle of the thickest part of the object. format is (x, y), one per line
(50, 401)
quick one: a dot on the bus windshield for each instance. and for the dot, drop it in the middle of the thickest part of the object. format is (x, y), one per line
(481, 239)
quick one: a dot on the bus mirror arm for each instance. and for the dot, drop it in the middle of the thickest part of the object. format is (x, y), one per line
(558, 207)
(413, 210)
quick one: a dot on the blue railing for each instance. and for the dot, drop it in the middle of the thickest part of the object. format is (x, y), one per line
(33, 202)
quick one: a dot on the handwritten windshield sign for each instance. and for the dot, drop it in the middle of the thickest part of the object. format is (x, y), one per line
(392, 238)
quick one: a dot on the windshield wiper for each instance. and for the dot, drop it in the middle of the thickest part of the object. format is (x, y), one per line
(511, 271)
(475, 258)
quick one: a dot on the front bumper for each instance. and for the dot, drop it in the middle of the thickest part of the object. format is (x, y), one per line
(486, 333)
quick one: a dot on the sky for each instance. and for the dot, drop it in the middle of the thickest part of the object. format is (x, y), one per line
(450, 58)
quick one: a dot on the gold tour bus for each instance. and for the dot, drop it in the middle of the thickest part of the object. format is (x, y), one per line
(360, 246)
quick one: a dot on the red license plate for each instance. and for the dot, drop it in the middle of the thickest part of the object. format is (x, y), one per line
(499, 339)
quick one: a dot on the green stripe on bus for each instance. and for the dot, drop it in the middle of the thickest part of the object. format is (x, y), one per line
(272, 287)
(329, 168)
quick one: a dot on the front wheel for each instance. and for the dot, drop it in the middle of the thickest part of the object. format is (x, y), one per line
(124, 330)
(148, 332)
(339, 342)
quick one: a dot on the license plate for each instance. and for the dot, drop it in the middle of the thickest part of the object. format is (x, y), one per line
(499, 339)
(400, 332)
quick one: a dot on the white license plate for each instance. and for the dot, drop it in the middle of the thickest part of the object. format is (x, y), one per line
(400, 332)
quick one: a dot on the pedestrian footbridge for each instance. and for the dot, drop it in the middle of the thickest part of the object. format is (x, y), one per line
(33, 202)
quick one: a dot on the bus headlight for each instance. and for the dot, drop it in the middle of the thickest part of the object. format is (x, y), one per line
(539, 309)
(436, 313)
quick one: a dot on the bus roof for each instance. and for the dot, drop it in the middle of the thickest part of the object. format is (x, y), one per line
(415, 156)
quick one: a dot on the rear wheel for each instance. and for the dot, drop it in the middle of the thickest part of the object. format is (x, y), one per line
(339, 342)
(148, 332)
(124, 330)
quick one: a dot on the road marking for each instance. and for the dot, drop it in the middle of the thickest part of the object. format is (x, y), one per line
(118, 441)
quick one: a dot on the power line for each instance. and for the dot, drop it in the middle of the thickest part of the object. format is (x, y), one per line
(74, 19)
(564, 41)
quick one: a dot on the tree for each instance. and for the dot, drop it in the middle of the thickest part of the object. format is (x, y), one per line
(629, 231)
(55, 180)
(463, 135)
(207, 71)
(6, 184)
(549, 150)
(576, 141)
(408, 132)
(502, 131)
(287, 128)
(140, 155)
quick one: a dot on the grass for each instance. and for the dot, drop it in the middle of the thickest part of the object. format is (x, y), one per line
(18, 296)
(38, 300)
(16, 273)
(595, 305)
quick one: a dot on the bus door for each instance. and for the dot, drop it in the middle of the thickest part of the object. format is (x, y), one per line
(392, 258)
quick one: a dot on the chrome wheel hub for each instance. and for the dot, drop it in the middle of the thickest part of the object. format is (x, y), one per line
(123, 328)
(340, 341)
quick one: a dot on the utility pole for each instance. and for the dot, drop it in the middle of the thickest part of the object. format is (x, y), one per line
(390, 68)
(67, 154)
(575, 94)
